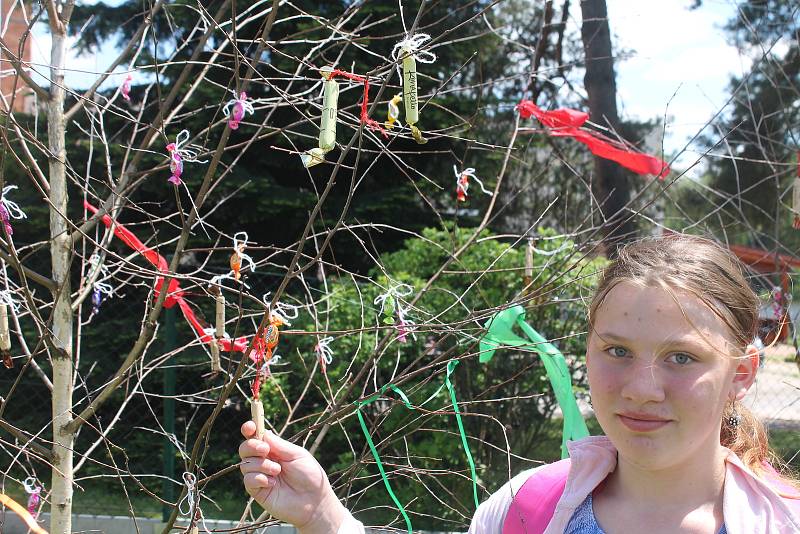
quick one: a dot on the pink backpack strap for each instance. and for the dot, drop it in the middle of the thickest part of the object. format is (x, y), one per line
(535, 503)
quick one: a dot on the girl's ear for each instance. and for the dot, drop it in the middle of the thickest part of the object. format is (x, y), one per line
(745, 373)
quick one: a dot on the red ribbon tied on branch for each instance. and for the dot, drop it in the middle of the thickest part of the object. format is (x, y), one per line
(175, 294)
(568, 122)
(370, 123)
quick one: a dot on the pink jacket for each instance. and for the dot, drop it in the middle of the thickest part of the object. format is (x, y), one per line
(750, 506)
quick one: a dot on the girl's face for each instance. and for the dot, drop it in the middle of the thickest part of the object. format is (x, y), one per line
(660, 375)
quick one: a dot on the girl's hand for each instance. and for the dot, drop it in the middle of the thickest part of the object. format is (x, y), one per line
(289, 483)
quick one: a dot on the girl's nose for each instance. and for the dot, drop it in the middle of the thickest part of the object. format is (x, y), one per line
(642, 382)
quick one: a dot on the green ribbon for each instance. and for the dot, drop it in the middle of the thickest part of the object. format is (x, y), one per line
(500, 334)
(451, 365)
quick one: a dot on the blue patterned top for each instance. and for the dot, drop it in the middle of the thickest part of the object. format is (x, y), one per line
(584, 522)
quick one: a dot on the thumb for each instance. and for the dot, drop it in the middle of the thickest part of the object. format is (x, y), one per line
(282, 450)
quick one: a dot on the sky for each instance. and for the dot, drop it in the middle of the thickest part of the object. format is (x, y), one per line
(677, 62)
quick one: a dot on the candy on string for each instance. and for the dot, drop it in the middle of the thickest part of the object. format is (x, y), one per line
(125, 88)
(327, 125)
(330, 102)
(500, 334)
(180, 152)
(408, 51)
(388, 301)
(324, 353)
(236, 108)
(462, 183)
(393, 113)
(33, 489)
(23, 514)
(262, 354)
(568, 123)
(405, 325)
(6, 301)
(100, 289)
(239, 256)
(9, 210)
(795, 197)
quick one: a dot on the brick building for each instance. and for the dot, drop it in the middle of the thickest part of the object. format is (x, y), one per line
(12, 20)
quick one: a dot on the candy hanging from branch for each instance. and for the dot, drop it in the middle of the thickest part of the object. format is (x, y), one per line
(391, 305)
(125, 88)
(393, 113)
(569, 122)
(408, 51)
(330, 102)
(9, 210)
(6, 301)
(263, 353)
(100, 289)
(324, 353)
(179, 152)
(462, 183)
(33, 489)
(327, 125)
(236, 109)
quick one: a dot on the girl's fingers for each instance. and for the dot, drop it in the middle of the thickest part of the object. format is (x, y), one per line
(260, 465)
(248, 429)
(283, 450)
(253, 447)
(256, 482)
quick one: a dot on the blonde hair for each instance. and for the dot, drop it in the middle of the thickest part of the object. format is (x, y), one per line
(710, 272)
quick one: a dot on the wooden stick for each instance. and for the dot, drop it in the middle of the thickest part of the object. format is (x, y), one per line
(216, 367)
(220, 319)
(257, 412)
(22, 513)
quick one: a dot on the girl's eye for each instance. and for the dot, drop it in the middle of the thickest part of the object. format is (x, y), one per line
(617, 352)
(681, 358)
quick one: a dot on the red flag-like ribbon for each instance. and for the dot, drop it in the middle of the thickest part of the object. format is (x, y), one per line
(568, 123)
(175, 294)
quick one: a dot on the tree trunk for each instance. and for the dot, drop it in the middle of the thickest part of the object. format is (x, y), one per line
(60, 256)
(610, 184)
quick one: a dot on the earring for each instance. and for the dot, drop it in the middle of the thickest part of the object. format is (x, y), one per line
(734, 419)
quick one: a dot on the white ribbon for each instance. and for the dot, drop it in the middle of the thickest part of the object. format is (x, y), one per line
(324, 351)
(14, 211)
(395, 291)
(246, 103)
(187, 152)
(470, 172)
(413, 43)
(281, 311)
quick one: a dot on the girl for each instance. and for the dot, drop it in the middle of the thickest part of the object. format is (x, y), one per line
(669, 358)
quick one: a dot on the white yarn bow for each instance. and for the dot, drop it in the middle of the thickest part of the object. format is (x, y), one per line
(470, 172)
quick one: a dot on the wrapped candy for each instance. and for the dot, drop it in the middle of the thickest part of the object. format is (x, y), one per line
(238, 256)
(179, 152)
(9, 210)
(462, 183)
(324, 353)
(327, 127)
(33, 489)
(264, 352)
(408, 52)
(390, 306)
(393, 113)
(236, 109)
(125, 88)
